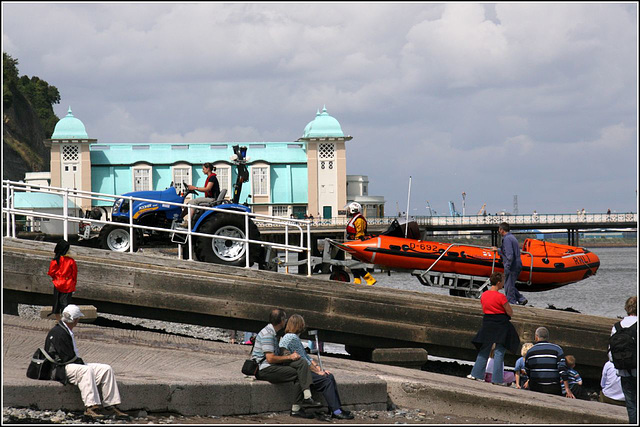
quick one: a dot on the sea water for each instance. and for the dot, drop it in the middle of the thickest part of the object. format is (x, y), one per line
(603, 294)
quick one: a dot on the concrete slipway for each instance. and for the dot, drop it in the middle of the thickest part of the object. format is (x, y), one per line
(159, 372)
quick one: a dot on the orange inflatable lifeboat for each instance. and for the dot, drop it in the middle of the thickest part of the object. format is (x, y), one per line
(544, 265)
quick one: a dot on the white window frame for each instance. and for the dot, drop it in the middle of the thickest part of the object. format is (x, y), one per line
(284, 211)
(227, 182)
(260, 190)
(178, 183)
(141, 167)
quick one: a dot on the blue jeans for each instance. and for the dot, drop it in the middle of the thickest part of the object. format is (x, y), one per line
(630, 390)
(481, 362)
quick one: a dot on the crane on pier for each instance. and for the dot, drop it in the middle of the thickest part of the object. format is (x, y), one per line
(482, 209)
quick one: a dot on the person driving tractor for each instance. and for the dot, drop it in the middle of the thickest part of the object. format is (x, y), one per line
(211, 191)
(357, 229)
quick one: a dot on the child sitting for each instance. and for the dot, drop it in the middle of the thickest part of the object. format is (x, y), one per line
(508, 377)
(521, 375)
(575, 381)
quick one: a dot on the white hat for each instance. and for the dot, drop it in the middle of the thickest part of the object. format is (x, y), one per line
(72, 312)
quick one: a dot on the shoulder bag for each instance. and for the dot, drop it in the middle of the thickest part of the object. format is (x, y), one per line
(43, 367)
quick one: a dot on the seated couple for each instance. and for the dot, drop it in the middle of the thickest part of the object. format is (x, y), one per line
(287, 361)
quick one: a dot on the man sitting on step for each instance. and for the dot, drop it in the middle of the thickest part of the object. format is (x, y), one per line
(61, 346)
(276, 368)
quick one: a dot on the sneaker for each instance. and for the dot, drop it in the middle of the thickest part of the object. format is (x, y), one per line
(471, 377)
(310, 403)
(502, 384)
(523, 302)
(112, 410)
(92, 412)
(302, 414)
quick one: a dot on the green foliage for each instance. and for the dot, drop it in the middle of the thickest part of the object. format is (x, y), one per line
(9, 78)
(40, 94)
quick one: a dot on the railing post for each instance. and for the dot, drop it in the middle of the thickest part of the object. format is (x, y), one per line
(65, 213)
(130, 224)
(309, 251)
(286, 243)
(190, 236)
(246, 242)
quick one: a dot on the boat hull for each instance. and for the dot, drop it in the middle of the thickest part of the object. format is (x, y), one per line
(544, 265)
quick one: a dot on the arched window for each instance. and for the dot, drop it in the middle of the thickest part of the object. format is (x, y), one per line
(181, 173)
(141, 174)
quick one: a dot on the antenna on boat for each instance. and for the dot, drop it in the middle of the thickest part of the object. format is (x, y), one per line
(406, 224)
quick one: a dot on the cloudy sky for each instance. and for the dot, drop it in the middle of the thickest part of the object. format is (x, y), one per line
(538, 100)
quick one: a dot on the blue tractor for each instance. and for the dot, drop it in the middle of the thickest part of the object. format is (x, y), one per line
(116, 237)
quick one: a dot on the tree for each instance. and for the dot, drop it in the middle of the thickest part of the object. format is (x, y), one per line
(40, 94)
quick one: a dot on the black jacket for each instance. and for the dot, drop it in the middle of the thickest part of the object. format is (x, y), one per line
(496, 328)
(59, 345)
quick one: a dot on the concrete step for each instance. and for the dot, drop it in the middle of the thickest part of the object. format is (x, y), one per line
(160, 373)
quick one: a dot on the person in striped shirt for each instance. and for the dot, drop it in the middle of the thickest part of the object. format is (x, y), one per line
(575, 380)
(546, 366)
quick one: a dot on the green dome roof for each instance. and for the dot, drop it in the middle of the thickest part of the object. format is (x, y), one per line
(323, 126)
(69, 128)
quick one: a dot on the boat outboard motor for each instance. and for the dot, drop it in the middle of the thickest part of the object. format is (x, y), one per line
(399, 228)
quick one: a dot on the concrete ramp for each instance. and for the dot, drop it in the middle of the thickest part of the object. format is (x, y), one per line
(145, 286)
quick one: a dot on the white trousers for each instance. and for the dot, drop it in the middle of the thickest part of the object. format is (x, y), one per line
(91, 376)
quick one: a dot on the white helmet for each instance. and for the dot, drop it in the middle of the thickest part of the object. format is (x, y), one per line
(354, 207)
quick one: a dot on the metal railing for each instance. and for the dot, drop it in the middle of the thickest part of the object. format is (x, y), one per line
(528, 219)
(10, 212)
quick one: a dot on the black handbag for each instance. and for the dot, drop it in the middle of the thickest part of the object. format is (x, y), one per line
(250, 366)
(43, 367)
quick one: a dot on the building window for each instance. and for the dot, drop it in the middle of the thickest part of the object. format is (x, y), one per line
(222, 173)
(181, 174)
(142, 179)
(259, 176)
(70, 153)
(280, 211)
(326, 151)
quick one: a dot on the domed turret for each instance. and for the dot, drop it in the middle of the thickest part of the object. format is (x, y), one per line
(69, 128)
(323, 126)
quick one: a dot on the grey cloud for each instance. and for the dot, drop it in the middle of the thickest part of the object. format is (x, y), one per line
(494, 100)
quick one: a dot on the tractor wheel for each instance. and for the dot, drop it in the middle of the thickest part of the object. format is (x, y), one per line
(226, 252)
(116, 238)
(340, 276)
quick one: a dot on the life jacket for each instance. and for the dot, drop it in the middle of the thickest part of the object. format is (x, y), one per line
(351, 226)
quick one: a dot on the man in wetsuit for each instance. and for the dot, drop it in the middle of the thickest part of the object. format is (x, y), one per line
(357, 229)
(510, 254)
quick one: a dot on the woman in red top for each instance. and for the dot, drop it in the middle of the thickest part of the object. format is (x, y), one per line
(496, 329)
(64, 272)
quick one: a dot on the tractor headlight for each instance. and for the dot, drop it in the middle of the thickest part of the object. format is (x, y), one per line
(116, 206)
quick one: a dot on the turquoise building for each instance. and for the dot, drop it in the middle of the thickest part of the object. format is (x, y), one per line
(306, 176)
